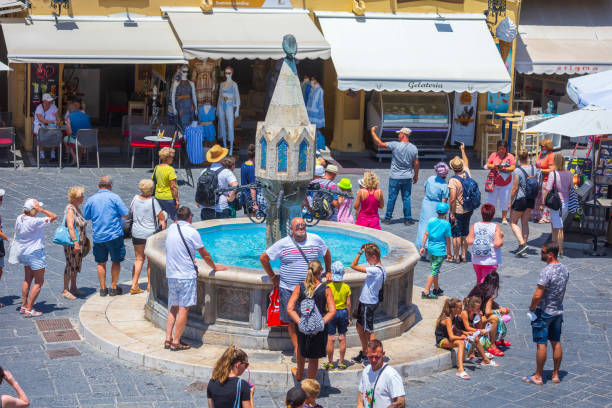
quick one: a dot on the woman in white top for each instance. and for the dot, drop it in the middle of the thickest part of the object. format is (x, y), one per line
(486, 240)
(148, 218)
(30, 235)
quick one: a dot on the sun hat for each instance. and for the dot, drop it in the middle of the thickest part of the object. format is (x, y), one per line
(2, 192)
(405, 131)
(441, 169)
(30, 204)
(319, 170)
(361, 183)
(216, 154)
(442, 207)
(337, 270)
(47, 97)
(345, 184)
(332, 168)
(456, 164)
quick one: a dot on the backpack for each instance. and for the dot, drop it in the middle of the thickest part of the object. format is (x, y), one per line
(381, 292)
(532, 184)
(311, 320)
(321, 202)
(471, 193)
(208, 182)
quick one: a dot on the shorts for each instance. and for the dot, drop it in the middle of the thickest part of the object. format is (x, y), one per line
(182, 292)
(114, 247)
(546, 327)
(139, 241)
(556, 217)
(482, 271)
(339, 323)
(35, 260)
(169, 206)
(436, 263)
(283, 299)
(523, 203)
(365, 316)
(461, 226)
(2, 262)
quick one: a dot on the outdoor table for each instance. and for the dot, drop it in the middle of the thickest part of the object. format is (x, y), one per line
(157, 140)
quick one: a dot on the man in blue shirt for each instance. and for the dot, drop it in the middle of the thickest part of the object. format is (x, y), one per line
(438, 240)
(75, 121)
(105, 210)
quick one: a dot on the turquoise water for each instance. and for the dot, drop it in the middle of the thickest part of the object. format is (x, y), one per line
(242, 245)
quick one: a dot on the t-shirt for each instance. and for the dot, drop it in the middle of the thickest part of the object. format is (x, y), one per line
(554, 278)
(179, 264)
(375, 277)
(294, 268)
(438, 229)
(402, 159)
(341, 292)
(522, 181)
(545, 161)
(563, 183)
(163, 174)
(247, 174)
(79, 120)
(224, 395)
(30, 231)
(225, 178)
(143, 225)
(49, 114)
(496, 160)
(454, 184)
(388, 387)
(105, 210)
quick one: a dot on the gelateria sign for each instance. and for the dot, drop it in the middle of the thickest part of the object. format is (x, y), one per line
(254, 3)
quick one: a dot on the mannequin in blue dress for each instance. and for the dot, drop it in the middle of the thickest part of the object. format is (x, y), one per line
(206, 118)
(315, 109)
(228, 108)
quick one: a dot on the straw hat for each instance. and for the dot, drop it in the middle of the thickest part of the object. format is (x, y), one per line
(216, 154)
(456, 164)
(331, 168)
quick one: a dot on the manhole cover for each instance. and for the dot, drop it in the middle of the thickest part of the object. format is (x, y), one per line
(63, 352)
(53, 324)
(61, 335)
(197, 386)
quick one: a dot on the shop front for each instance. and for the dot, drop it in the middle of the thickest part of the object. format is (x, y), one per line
(406, 69)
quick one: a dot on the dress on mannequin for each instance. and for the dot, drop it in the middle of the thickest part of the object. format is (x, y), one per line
(316, 112)
(229, 99)
(176, 77)
(204, 78)
(206, 117)
(184, 100)
(306, 89)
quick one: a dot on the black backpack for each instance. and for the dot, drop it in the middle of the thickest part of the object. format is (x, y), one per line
(208, 182)
(471, 193)
(532, 184)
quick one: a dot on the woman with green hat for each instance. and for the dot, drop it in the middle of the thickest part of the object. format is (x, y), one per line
(345, 209)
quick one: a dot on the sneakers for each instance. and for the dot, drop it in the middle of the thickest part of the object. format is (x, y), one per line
(386, 221)
(359, 358)
(438, 292)
(428, 295)
(115, 292)
(103, 292)
(408, 221)
(521, 249)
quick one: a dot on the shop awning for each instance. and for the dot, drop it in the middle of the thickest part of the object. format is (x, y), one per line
(245, 33)
(414, 52)
(91, 40)
(573, 37)
(11, 6)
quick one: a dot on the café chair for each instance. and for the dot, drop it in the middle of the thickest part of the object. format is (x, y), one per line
(87, 139)
(49, 137)
(138, 141)
(7, 139)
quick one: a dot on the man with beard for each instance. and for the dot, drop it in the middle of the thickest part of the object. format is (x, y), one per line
(295, 252)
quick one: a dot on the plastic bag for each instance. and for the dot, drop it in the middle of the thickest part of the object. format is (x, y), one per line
(274, 310)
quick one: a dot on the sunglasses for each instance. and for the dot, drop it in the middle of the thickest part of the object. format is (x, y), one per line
(300, 226)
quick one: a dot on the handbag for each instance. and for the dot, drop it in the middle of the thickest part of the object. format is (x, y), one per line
(274, 310)
(15, 248)
(62, 235)
(490, 183)
(127, 223)
(86, 247)
(158, 227)
(552, 200)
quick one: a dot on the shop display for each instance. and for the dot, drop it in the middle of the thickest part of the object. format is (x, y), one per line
(206, 118)
(464, 124)
(305, 85)
(316, 110)
(184, 100)
(604, 168)
(204, 76)
(174, 79)
(228, 108)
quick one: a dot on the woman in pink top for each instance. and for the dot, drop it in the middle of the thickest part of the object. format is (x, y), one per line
(369, 200)
(503, 164)
(562, 180)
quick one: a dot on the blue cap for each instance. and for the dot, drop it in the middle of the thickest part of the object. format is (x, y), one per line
(337, 270)
(442, 207)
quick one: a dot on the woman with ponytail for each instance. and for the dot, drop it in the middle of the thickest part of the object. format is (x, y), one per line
(448, 335)
(311, 346)
(226, 389)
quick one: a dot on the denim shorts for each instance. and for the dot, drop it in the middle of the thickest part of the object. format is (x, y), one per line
(1, 262)
(546, 327)
(283, 299)
(35, 260)
(461, 226)
(114, 247)
(182, 292)
(339, 323)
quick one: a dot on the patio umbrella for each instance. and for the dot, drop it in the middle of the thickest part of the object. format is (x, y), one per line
(588, 121)
(4, 67)
(593, 89)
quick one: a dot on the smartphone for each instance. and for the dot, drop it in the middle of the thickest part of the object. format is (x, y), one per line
(249, 379)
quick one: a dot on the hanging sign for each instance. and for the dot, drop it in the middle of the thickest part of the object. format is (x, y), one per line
(254, 3)
(464, 115)
(44, 79)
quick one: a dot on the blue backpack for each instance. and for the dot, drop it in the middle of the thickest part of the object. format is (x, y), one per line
(471, 193)
(532, 184)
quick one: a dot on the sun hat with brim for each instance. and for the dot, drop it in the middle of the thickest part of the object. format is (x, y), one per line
(442, 207)
(332, 168)
(216, 154)
(30, 204)
(319, 170)
(48, 98)
(2, 192)
(361, 183)
(345, 184)
(337, 270)
(456, 163)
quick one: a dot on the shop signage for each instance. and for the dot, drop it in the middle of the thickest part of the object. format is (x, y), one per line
(44, 78)
(498, 101)
(464, 115)
(576, 69)
(254, 3)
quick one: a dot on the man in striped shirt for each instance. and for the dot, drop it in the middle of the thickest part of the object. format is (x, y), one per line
(294, 265)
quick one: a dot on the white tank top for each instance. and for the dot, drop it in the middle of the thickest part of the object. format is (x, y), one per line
(483, 249)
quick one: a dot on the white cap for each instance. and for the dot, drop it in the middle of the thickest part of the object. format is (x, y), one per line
(2, 192)
(405, 131)
(31, 204)
(47, 97)
(319, 170)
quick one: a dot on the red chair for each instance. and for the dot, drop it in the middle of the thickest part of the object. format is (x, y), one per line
(7, 139)
(126, 121)
(138, 141)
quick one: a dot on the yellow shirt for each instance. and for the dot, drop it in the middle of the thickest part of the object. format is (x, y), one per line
(341, 291)
(164, 174)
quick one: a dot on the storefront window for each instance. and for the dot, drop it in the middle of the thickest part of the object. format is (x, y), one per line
(264, 152)
(282, 150)
(303, 155)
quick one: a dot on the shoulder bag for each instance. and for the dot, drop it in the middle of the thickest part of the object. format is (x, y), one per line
(158, 227)
(552, 200)
(237, 402)
(2, 251)
(187, 248)
(62, 235)
(376, 382)
(15, 248)
(299, 249)
(127, 224)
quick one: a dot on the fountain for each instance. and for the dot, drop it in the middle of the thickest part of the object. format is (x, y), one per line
(232, 305)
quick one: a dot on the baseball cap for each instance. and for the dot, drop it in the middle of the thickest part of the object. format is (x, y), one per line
(337, 270)
(2, 192)
(47, 97)
(361, 183)
(30, 203)
(332, 168)
(319, 170)
(405, 131)
(442, 207)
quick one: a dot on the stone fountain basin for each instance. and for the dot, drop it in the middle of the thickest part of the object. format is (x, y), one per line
(232, 305)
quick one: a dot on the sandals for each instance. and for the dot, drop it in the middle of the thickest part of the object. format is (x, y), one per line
(503, 343)
(32, 313)
(496, 352)
(179, 347)
(167, 344)
(328, 366)
(295, 374)
(22, 310)
(463, 375)
(136, 291)
(530, 380)
(68, 295)
(341, 367)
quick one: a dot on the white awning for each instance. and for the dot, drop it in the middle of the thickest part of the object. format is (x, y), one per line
(414, 52)
(573, 37)
(16, 6)
(91, 40)
(4, 67)
(245, 33)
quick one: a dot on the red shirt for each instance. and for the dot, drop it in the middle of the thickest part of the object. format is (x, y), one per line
(495, 160)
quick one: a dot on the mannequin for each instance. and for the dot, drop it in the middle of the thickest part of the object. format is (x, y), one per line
(184, 100)
(174, 80)
(306, 88)
(205, 80)
(228, 108)
(315, 109)
(206, 117)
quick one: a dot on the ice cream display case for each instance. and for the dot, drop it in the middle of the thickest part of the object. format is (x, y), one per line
(426, 114)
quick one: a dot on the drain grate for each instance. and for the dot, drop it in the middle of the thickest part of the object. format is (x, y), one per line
(61, 335)
(63, 352)
(53, 324)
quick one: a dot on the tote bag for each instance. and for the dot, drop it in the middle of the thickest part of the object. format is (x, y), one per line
(62, 235)
(274, 310)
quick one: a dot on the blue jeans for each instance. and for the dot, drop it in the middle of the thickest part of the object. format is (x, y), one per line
(395, 186)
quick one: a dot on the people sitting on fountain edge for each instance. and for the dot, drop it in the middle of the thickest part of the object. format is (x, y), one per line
(294, 265)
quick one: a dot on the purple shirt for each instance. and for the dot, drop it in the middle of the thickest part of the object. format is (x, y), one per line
(563, 183)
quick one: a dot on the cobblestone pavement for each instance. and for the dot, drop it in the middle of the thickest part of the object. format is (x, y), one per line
(96, 379)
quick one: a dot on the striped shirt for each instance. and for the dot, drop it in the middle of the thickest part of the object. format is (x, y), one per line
(294, 268)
